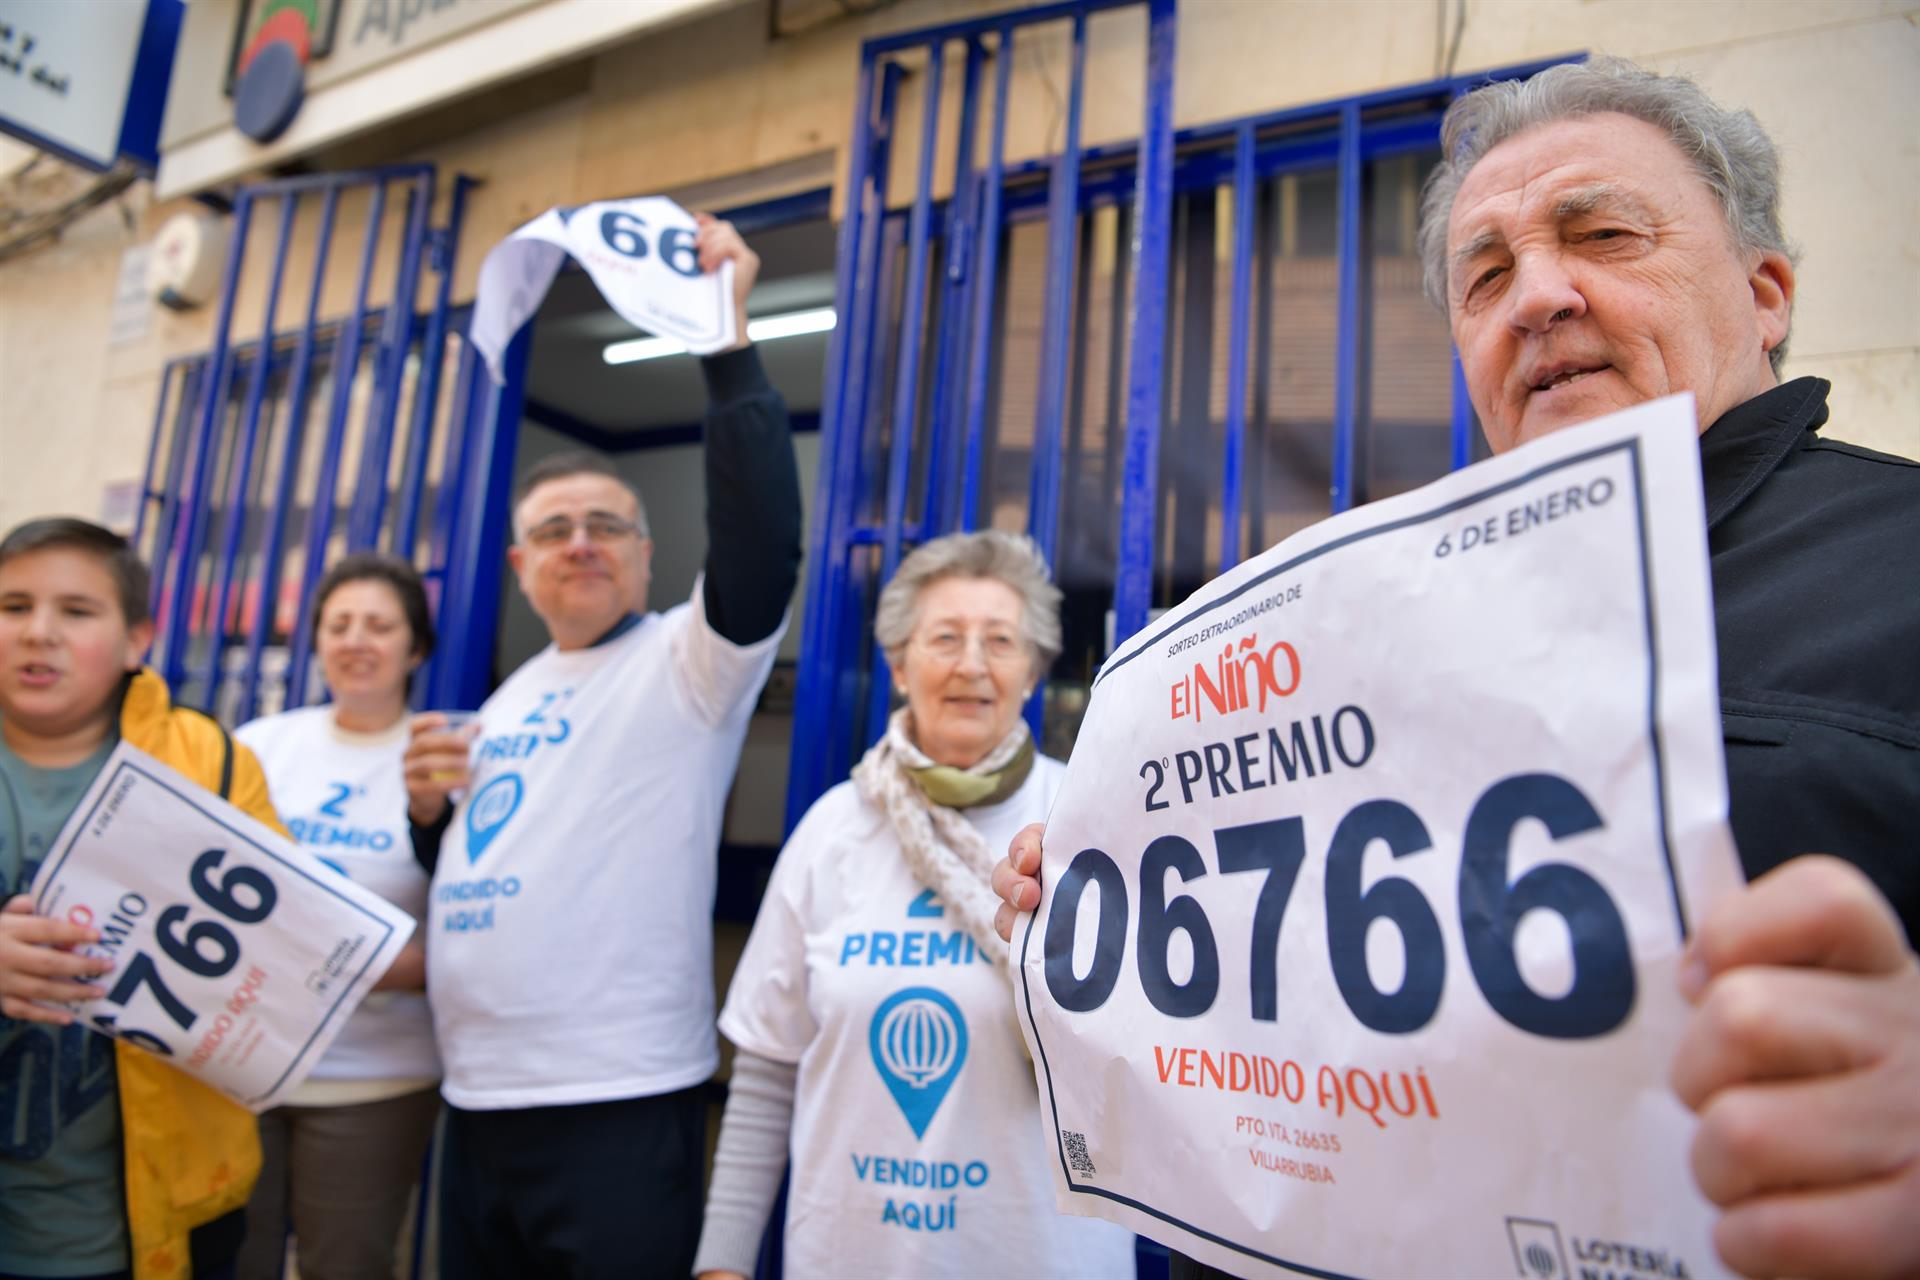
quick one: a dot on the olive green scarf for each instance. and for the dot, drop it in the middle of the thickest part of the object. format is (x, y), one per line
(963, 789)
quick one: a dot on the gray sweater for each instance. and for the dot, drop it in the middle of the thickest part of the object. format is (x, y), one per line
(747, 1165)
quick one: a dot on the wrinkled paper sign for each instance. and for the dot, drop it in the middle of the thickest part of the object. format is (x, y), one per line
(1367, 884)
(640, 254)
(237, 955)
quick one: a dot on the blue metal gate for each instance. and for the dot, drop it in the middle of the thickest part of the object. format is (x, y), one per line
(906, 416)
(1047, 348)
(249, 495)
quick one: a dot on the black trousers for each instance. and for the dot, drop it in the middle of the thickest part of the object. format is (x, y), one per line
(586, 1192)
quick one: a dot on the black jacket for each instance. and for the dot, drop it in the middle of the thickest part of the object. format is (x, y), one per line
(1816, 593)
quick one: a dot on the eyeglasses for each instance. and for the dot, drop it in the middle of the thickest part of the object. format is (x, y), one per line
(600, 527)
(948, 644)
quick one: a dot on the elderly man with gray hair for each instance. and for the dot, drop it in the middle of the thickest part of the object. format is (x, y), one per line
(1599, 236)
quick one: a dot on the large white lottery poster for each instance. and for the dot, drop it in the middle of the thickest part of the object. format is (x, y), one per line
(1366, 888)
(237, 955)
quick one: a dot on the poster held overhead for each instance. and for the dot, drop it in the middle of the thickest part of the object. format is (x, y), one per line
(640, 254)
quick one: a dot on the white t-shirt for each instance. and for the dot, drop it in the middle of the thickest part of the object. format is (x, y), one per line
(570, 942)
(344, 799)
(917, 1146)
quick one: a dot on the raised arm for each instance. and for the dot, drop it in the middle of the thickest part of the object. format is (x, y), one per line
(753, 485)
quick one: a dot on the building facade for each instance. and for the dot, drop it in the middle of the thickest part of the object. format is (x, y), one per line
(420, 132)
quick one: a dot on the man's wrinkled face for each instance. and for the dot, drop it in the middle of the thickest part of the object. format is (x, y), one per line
(1589, 269)
(580, 556)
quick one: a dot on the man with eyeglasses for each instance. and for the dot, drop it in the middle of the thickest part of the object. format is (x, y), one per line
(570, 948)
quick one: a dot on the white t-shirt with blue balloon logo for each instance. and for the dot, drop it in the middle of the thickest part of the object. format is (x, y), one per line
(570, 940)
(917, 1143)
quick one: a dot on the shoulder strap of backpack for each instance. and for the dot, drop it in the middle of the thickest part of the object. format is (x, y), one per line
(226, 761)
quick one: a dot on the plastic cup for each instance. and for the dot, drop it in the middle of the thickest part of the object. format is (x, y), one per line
(464, 724)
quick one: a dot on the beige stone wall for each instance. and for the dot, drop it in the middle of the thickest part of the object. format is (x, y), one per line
(700, 105)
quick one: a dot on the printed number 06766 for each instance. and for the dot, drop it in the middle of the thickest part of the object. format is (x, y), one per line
(1490, 910)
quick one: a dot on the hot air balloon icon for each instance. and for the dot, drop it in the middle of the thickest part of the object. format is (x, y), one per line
(919, 1043)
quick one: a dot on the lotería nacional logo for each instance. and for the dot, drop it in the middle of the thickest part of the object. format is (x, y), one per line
(1243, 675)
(273, 41)
(1537, 1252)
(919, 1044)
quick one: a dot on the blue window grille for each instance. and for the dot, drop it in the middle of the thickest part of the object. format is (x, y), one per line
(274, 453)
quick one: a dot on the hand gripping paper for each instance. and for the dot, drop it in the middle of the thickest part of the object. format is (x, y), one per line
(1366, 888)
(238, 956)
(641, 256)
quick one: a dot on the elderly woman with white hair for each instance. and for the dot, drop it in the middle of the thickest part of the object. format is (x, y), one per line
(876, 1047)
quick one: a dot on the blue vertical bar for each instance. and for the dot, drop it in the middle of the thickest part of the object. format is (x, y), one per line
(1462, 414)
(1238, 322)
(889, 238)
(985, 290)
(936, 515)
(300, 381)
(893, 240)
(913, 307)
(240, 494)
(426, 689)
(186, 412)
(1153, 209)
(147, 492)
(816, 696)
(213, 412)
(441, 535)
(1063, 224)
(426, 391)
(483, 527)
(376, 444)
(346, 365)
(1346, 386)
(906, 382)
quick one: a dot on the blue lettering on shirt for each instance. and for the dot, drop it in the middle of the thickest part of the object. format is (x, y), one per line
(542, 726)
(909, 949)
(326, 835)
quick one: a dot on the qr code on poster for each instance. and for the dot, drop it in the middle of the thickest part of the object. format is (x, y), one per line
(1077, 1152)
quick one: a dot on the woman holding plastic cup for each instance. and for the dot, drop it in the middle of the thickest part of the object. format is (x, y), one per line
(341, 1155)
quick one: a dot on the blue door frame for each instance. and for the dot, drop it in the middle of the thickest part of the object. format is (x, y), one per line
(923, 447)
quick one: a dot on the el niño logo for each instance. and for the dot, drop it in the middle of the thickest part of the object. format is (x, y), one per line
(1243, 676)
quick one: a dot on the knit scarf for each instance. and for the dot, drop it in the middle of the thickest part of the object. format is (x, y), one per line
(922, 801)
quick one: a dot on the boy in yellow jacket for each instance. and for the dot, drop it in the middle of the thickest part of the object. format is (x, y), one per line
(111, 1162)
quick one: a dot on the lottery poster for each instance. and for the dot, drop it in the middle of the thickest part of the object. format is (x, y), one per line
(237, 955)
(640, 254)
(1365, 891)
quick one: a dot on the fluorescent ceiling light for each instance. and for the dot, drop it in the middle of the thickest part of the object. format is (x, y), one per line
(790, 325)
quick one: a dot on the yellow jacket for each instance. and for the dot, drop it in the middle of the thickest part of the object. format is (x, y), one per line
(191, 1155)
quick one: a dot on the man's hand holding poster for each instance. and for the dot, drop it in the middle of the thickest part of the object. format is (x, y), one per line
(1367, 886)
(237, 955)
